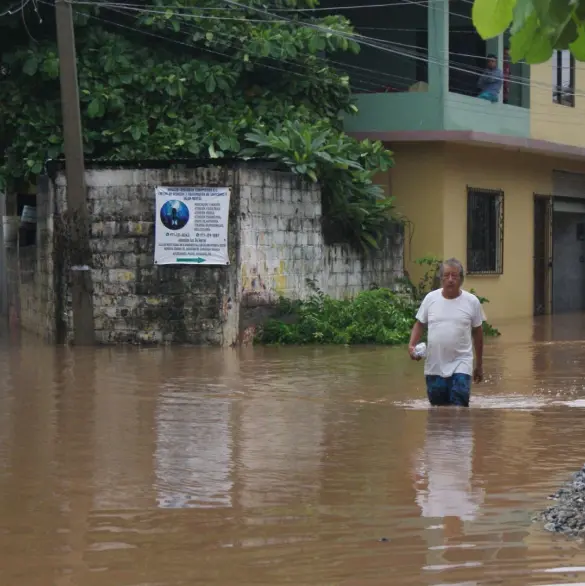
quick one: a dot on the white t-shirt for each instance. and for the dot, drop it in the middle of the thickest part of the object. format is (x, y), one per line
(449, 322)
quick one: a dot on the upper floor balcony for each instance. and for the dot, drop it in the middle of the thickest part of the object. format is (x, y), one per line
(418, 69)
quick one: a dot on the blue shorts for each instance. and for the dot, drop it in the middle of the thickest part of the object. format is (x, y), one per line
(454, 390)
(489, 97)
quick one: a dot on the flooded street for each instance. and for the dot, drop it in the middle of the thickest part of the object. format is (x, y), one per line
(266, 466)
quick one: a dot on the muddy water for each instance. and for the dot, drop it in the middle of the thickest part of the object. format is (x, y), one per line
(286, 466)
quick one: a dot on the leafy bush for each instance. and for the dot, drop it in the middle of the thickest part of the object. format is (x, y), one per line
(355, 209)
(377, 316)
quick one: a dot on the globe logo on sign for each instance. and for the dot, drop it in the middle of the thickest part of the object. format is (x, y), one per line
(174, 214)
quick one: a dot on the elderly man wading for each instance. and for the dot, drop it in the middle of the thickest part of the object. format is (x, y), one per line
(454, 319)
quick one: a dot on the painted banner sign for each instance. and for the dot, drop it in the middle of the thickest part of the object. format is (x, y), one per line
(191, 225)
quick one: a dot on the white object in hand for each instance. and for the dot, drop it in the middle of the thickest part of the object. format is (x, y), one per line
(420, 350)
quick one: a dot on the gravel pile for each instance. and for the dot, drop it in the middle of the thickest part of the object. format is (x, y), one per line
(567, 515)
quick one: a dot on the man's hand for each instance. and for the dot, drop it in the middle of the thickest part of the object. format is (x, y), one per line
(478, 374)
(415, 336)
(413, 353)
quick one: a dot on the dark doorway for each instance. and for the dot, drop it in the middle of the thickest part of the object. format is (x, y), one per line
(568, 256)
(541, 253)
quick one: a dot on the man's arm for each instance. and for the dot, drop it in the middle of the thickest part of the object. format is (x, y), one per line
(415, 335)
(477, 335)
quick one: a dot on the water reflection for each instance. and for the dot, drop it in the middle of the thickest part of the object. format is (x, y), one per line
(444, 467)
(194, 445)
(283, 465)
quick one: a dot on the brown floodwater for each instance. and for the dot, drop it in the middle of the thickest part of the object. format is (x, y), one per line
(267, 466)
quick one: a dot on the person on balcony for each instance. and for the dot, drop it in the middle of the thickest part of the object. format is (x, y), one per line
(491, 80)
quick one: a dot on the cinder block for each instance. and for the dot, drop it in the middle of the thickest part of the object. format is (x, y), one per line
(121, 275)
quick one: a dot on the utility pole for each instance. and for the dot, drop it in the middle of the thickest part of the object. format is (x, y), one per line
(77, 226)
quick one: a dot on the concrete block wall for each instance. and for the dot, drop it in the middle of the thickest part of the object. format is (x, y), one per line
(30, 272)
(275, 245)
(282, 246)
(134, 300)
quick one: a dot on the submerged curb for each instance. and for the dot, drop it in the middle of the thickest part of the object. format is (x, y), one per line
(567, 515)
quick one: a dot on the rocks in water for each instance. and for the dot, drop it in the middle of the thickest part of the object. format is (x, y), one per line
(567, 515)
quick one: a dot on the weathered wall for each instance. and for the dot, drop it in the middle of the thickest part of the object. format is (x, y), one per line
(29, 274)
(282, 248)
(418, 182)
(430, 183)
(134, 300)
(275, 244)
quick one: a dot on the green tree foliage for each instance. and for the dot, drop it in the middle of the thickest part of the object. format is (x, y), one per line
(179, 79)
(537, 27)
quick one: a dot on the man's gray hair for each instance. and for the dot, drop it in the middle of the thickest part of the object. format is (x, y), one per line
(455, 264)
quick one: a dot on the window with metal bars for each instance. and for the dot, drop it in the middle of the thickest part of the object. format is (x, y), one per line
(563, 72)
(485, 231)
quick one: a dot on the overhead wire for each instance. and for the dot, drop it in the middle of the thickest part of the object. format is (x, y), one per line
(326, 62)
(15, 9)
(204, 49)
(370, 83)
(276, 9)
(454, 98)
(451, 97)
(372, 42)
(355, 38)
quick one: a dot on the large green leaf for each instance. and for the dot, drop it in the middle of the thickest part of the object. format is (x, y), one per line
(529, 44)
(492, 17)
(93, 110)
(578, 46)
(522, 11)
(31, 65)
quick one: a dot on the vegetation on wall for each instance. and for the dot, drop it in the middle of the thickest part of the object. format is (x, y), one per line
(377, 316)
(179, 79)
(537, 28)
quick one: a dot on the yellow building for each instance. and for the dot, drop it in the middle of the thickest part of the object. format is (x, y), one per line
(500, 186)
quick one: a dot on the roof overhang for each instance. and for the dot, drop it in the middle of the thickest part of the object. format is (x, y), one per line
(480, 139)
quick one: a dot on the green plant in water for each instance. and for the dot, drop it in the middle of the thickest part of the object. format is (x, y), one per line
(377, 316)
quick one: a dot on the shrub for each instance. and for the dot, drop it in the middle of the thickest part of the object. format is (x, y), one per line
(377, 316)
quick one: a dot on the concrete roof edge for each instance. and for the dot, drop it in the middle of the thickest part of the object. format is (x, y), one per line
(532, 145)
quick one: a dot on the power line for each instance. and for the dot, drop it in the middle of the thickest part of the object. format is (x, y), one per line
(518, 80)
(15, 9)
(360, 39)
(399, 3)
(521, 80)
(282, 20)
(453, 98)
(205, 49)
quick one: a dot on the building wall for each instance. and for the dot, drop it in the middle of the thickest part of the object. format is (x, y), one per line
(417, 181)
(31, 300)
(550, 121)
(275, 246)
(283, 249)
(519, 176)
(430, 184)
(134, 300)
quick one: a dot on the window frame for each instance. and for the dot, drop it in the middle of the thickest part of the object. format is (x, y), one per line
(498, 195)
(558, 94)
